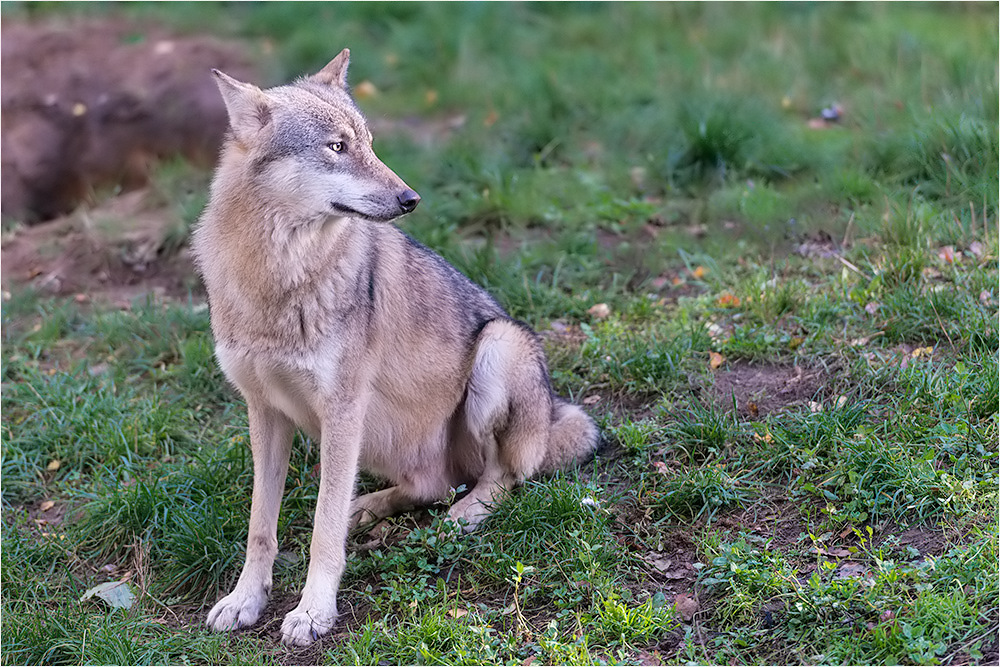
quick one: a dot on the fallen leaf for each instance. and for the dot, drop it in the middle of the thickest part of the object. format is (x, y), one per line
(795, 342)
(699, 272)
(458, 612)
(590, 400)
(922, 352)
(118, 594)
(872, 307)
(715, 360)
(754, 412)
(659, 562)
(841, 401)
(850, 569)
(644, 658)
(53, 465)
(815, 407)
(766, 438)
(728, 300)
(47, 505)
(947, 254)
(365, 89)
(599, 310)
(661, 467)
(686, 606)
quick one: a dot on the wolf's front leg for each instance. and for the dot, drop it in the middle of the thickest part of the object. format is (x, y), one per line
(271, 443)
(340, 445)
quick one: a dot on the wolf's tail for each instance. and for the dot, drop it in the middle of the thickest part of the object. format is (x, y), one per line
(573, 439)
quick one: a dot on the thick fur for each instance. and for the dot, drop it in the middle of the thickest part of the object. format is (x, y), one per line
(329, 319)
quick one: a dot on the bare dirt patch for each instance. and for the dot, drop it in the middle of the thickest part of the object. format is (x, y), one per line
(94, 104)
(113, 253)
(762, 389)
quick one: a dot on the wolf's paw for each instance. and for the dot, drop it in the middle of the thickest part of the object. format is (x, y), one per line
(304, 626)
(237, 610)
(468, 514)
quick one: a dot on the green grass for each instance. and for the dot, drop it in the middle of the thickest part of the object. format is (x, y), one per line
(840, 508)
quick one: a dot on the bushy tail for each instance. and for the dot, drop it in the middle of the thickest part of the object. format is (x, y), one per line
(573, 439)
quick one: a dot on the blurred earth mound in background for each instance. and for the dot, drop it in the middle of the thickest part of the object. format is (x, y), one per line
(93, 105)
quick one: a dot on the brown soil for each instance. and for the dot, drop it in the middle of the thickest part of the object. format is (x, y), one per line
(114, 253)
(762, 389)
(94, 105)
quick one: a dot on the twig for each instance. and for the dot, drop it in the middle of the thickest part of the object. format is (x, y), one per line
(847, 232)
(853, 268)
(941, 324)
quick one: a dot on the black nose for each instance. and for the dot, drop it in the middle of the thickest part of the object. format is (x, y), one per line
(408, 200)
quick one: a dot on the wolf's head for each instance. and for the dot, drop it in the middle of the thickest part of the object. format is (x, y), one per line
(307, 151)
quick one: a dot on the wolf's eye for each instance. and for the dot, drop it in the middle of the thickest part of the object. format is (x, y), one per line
(336, 146)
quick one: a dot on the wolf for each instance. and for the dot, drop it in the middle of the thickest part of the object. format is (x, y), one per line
(328, 318)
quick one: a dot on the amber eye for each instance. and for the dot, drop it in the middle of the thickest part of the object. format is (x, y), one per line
(336, 146)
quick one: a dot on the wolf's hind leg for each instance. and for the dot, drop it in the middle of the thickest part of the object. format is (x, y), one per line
(378, 505)
(508, 412)
(426, 485)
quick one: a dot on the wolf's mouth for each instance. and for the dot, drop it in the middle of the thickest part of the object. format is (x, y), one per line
(347, 210)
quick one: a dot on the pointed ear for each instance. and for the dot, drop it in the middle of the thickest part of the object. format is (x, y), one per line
(335, 73)
(249, 107)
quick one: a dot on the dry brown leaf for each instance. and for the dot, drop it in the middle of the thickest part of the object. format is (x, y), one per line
(53, 465)
(715, 360)
(728, 300)
(599, 310)
(590, 400)
(365, 90)
(458, 612)
(699, 272)
(686, 606)
(47, 505)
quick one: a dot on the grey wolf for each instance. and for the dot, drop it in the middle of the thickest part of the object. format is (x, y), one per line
(328, 318)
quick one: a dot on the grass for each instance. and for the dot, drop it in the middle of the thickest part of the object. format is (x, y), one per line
(796, 373)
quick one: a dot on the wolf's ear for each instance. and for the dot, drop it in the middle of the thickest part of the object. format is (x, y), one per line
(249, 107)
(335, 73)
